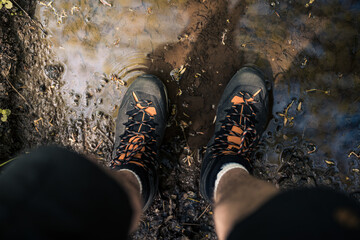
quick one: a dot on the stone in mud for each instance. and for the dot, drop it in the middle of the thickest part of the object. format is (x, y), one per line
(54, 72)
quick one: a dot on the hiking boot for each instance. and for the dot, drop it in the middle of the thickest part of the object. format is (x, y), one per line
(242, 115)
(140, 128)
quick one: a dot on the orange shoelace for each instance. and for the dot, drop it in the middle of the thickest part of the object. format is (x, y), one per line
(138, 143)
(238, 134)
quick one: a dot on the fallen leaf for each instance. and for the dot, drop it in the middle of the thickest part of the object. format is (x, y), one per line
(299, 106)
(329, 162)
(179, 93)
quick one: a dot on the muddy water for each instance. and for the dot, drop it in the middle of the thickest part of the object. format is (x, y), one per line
(315, 61)
(310, 49)
(104, 47)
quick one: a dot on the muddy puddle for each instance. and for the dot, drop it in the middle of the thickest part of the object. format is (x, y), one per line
(103, 47)
(92, 52)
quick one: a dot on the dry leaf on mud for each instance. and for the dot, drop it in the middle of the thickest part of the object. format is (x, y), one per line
(299, 107)
(329, 162)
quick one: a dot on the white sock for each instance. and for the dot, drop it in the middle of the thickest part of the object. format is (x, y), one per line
(137, 177)
(224, 169)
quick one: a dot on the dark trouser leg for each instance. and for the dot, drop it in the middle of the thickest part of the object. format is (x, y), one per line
(55, 193)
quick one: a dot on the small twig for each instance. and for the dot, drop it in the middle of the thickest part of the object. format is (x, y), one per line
(188, 159)
(313, 150)
(38, 120)
(353, 153)
(187, 145)
(286, 116)
(41, 26)
(50, 122)
(203, 212)
(223, 37)
(194, 200)
(190, 224)
(4, 163)
(19, 93)
(36, 124)
(98, 145)
(101, 131)
(72, 140)
(327, 92)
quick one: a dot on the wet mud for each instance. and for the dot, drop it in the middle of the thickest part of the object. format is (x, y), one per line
(64, 83)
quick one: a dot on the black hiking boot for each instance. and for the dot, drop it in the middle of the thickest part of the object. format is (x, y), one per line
(242, 115)
(140, 128)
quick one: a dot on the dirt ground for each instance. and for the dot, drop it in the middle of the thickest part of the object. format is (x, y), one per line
(317, 51)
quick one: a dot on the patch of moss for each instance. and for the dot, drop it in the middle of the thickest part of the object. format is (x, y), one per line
(5, 114)
(6, 3)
